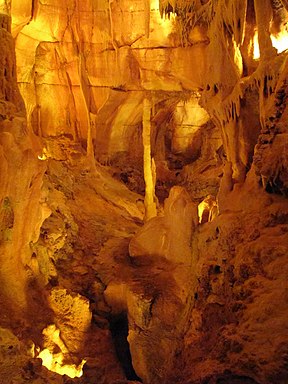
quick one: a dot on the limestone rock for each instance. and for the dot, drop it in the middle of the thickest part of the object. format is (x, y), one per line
(73, 317)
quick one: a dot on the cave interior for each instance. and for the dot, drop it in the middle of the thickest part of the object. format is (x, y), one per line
(143, 191)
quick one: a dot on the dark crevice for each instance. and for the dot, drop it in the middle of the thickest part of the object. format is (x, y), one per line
(235, 379)
(119, 332)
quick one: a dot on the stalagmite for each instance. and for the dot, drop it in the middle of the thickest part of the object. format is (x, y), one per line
(149, 201)
(147, 17)
(85, 91)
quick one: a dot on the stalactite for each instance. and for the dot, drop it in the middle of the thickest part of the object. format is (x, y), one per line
(75, 131)
(263, 11)
(147, 17)
(39, 131)
(112, 26)
(149, 175)
(270, 71)
(64, 72)
(207, 12)
(114, 44)
(90, 150)
(37, 105)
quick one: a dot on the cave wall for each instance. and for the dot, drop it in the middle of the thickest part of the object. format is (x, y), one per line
(100, 57)
(100, 63)
(23, 207)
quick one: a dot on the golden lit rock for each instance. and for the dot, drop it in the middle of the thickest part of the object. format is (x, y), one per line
(207, 209)
(55, 361)
(73, 317)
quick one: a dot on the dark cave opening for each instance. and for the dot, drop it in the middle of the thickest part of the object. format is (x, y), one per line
(230, 378)
(119, 332)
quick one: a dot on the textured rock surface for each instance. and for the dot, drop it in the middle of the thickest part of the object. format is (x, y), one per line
(238, 296)
(200, 301)
(21, 180)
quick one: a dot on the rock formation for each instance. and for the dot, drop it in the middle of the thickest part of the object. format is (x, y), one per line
(143, 194)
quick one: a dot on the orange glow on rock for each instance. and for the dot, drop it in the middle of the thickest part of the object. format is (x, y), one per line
(55, 363)
(207, 209)
(58, 361)
(256, 50)
(43, 155)
(280, 40)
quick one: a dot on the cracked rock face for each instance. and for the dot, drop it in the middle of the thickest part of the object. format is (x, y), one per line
(84, 52)
(199, 291)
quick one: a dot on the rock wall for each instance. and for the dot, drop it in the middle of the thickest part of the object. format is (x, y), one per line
(237, 317)
(99, 58)
(22, 205)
